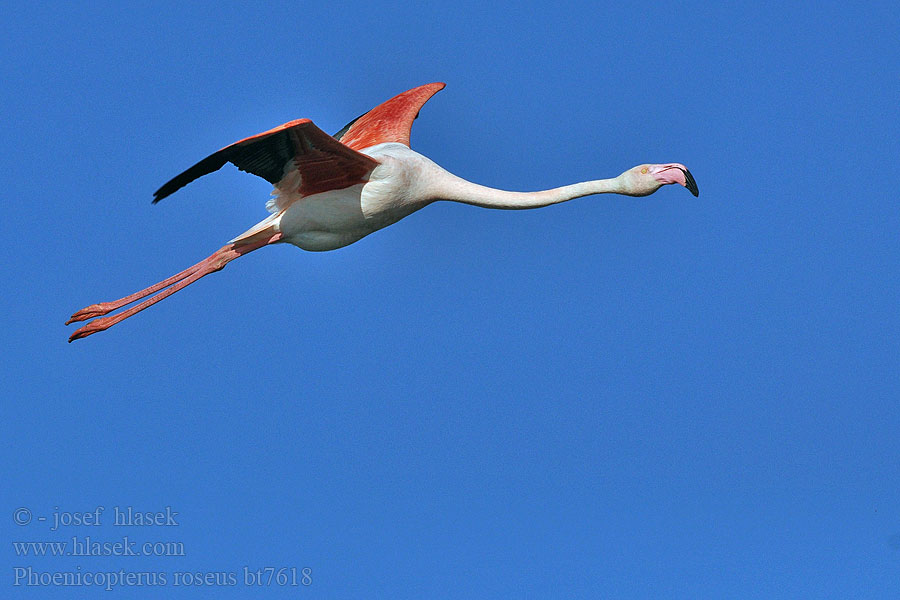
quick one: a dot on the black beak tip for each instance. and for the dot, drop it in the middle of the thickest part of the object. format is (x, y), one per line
(690, 184)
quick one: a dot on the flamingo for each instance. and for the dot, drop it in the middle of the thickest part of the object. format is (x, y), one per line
(331, 191)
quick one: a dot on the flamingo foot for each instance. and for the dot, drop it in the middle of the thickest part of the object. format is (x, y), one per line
(93, 327)
(94, 310)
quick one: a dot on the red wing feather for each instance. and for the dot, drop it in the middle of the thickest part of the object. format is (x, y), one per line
(323, 162)
(389, 121)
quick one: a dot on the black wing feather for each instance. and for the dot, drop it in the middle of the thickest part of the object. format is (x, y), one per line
(264, 157)
(267, 154)
(211, 163)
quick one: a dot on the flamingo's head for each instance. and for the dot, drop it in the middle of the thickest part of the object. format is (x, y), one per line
(643, 180)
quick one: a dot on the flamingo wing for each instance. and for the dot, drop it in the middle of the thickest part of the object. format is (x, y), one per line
(322, 162)
(389, 121)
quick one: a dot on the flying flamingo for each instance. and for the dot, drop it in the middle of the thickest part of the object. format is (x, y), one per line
(331, 191)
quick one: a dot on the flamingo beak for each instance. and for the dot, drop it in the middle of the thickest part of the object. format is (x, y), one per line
(676, 173)
(690, 184)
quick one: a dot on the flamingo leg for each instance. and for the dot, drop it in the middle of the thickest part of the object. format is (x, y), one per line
(215, 262)
(98, 310)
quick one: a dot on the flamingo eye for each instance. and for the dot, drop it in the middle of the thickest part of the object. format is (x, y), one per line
(644, 171)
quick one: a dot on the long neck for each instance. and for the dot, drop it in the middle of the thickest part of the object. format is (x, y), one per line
(457, 189)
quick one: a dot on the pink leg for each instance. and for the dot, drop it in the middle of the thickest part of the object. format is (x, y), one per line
(214, 263)
(98, 310)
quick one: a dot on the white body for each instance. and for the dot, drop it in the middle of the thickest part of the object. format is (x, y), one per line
(336, 218)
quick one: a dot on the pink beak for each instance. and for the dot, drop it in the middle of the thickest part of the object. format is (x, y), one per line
(675, 173)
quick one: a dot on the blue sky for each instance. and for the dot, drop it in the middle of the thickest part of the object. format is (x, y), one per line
(614, 397)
